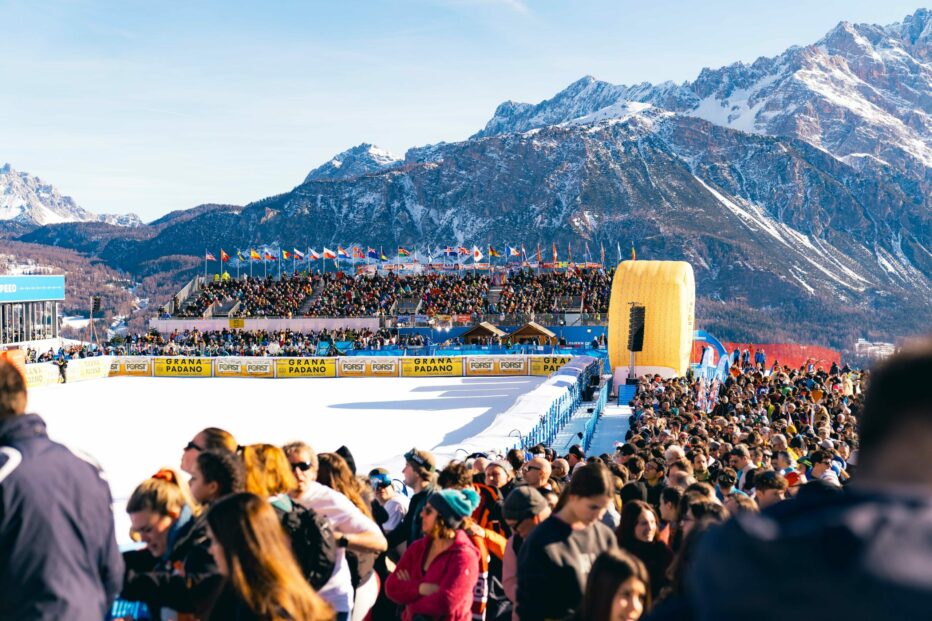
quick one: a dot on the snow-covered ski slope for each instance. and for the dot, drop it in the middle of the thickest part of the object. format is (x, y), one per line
(133, 426)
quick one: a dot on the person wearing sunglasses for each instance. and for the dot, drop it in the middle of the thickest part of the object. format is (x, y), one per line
(209, 439)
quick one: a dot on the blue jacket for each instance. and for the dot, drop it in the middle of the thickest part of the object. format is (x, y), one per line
(59, 556)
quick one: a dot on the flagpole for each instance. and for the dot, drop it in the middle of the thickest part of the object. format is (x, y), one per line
(205, 268)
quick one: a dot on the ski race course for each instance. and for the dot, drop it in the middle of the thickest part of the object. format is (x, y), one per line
(134, 425)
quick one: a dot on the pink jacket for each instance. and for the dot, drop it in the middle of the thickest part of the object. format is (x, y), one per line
(455, 571)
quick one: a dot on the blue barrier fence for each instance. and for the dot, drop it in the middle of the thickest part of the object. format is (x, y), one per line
(596, 414)
(581, 369)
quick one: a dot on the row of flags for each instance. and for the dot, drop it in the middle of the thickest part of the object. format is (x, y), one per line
(356, 252)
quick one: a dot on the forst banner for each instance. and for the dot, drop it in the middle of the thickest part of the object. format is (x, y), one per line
(496, 365)
(432, 366)
(368, 367)
(306, 367)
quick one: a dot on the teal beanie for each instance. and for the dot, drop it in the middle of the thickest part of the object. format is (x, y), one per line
(454, 504)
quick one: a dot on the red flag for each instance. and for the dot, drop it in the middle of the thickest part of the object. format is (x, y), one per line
(538, 254)
(554, 252)
(224, 257)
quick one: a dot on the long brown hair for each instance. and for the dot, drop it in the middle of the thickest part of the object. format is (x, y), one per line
(609, 571)
(261, 565)
(630, 514)
(335, 473)
(267, 470)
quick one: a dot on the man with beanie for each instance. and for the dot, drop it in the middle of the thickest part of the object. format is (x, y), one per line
(437, 574)
(419, 473)
(524, 509)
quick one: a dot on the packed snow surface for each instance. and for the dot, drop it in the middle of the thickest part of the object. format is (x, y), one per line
(134, 426)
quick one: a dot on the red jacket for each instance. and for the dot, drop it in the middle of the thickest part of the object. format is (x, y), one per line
(455, 571)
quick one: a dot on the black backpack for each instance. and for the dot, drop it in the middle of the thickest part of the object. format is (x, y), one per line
(311, 540)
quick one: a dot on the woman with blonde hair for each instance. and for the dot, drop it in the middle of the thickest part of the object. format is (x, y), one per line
(268, 473)
(262, 581)
(175, 571)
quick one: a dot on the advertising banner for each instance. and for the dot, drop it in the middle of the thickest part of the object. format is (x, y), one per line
(31, 288)
(496, 365)
(183, 367)
(89, 368)
(136, 366)
(258, 367)
(368, 367)
(433, 366)
(41, 374)
(306, 367)
(546, 365)
(228, 367)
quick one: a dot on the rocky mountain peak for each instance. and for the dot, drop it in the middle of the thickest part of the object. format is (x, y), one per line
(27, 199)
(363, 159)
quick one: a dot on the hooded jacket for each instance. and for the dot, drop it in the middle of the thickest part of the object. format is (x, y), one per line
(59, 556)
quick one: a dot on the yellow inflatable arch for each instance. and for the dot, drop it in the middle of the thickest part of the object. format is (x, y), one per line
(667, 291)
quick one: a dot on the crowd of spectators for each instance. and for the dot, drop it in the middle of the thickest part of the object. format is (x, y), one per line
(257, 297)
(529, 292)
(432, 293)
(713, 490)
(226, 342)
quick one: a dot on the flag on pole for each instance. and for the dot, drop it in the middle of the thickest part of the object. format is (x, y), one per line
(382, 256)
(450, 251)
(403, 252)
(512, 252)
(297, 254)
(269, 256)
(554, 252)
(224, 257)
(209, 257)
(371, 253)
(239, 255)
(493, 252)
(634, 255)
(254, 255)
(588, 254)
(602, 247)
(476, 254)
(312, 254)
(358, 253)
(329, 254)
(463, 251)
(342, 253)
(285, 255)
(538, 255)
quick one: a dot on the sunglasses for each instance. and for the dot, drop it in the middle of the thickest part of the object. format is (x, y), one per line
(192, 446)
(303, 466)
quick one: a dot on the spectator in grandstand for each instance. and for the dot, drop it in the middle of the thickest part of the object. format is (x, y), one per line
(523, 510)
(638, 535)
(211, 438)
(537, 473)
(59, 556)
(352, 528)
(883, 514)
(654, 471)
(334, 472)
(436, 575)
(176, 572)
(821, 468)
(554, 561)
(262, 579)
(618, 588)
(419, 473)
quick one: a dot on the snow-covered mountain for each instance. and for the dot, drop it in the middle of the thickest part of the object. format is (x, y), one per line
(26, 199)
(363, 159)
(862, 93)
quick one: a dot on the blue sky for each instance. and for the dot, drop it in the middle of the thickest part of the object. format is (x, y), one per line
(155, 106)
